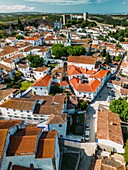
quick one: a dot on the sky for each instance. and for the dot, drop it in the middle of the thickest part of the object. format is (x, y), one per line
(65, 6)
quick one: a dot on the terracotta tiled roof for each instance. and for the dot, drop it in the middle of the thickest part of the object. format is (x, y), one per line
(2, 86)
(124, 64)
(98, 165)
(59, 98)
(45, 81)
(75, 70)
(124, 91)
(46, 145)
(124, 43)
(3, 135)
(11, 38)
(5, 92)
(64, 83)
(82, 59)
(47, 110)
(7, 50)
(109, 127)
(4, 126)
(108, 164)
(22, 145)
(41, 69)
(3, 67)
(22, 66)
(111, 164)
(49, 38)
(85, 87)
(57, 119)
(18, 104)
(23, 142)
(28, 131)
(29, 48)
(31, 38)
(100, 74)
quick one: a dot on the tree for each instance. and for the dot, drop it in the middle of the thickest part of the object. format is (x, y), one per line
(35, 60)
(25, 85)
(55, 89)
(103, 53)
(118, 58)
(121, 39)
(59, 50)
(120, 107)
(126, 152)
(13, 33)
(108, 59)
(124, 114)
(2, 34)
(20, 25)
(19, 37)
(83, 105)
(79, 50)
(18, 75)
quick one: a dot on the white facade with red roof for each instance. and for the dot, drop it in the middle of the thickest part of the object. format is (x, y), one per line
(87, 62)
(88, 83)
(35, 41)
(42, 86)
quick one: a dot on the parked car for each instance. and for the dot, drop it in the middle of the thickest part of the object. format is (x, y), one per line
(87, 138)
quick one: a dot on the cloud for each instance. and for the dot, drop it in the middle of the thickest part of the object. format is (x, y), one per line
(15, 8)
(125, 1)
(101, 1)
(63, 2)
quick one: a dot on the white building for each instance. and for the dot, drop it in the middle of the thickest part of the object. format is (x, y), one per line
(5, 94)
(42, 85)
(35, 41)
(87, 62)
(125, 45)
(41, 72)
(59, 123)
(30, 147)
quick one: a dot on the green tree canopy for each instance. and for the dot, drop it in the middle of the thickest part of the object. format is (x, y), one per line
(108, 59)
(19, 37)
(2, 34)
(120, 107)
(118, 58)
(83, 105)
(35, 60)
(103, 53)
(60, 50)
(20, 25)
(126, 152)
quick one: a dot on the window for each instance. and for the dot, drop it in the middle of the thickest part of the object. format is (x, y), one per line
(60, 125)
